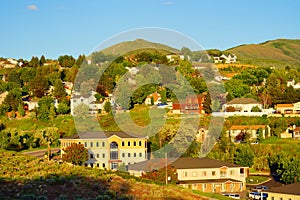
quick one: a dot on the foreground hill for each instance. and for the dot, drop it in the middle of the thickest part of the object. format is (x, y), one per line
(25, 177)
(123, 47)
(280, 52)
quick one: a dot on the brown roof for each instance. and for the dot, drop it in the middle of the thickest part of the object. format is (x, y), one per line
(242, 101)
(103, 134)
(247, 127)
(181, 163)
(287, 189)
(288, 105)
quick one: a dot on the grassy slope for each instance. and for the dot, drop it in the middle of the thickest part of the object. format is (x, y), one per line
(124, 47)
(279, 52)
(23, 175)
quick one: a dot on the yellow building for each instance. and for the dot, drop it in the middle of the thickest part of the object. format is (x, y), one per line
(110, 149)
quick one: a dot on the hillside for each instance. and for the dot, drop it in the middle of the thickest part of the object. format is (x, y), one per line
(278, 53)
(25, 177)
(124, 47)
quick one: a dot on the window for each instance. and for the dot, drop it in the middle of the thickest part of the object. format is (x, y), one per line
(113, 155)
(204, 173)
(241, 170)
(103, 144)
(128, 155)
(281, 198)
(185, 174)
(103, 165)
(91, 156)
(103, 155)
(134, 143)
(91, 144)
(141, 155)
(114, 165)
(123, 144)
(231, 172)
(272, 198)
(97, 155)
(128, 143)
(134, 155)
(194, 174)
(222, 173)
(113, 145)
(140, 143)
(213, 173)
(85, 144)
(79, 142)
(241, 186)
(123, 155)
(204, 186)
(97, 144)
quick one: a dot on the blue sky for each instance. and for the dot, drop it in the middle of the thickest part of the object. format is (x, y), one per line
(73, 27)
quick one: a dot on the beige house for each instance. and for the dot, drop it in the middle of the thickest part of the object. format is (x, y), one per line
(2, 96)
(286, 192)
(156, 98)
(251, 130)
(204, 174)
(288, 108)
(109, 150)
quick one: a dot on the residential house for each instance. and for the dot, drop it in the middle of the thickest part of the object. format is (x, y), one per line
(231, 58)
(241, 105)
(193, 104)
(292, 83)
(291, 108)
(202, 134)
(89, 99)
(292, 131)
(285, 192)
(173, 56)
(204, 174)
(156, 99)
(238, 132)
(109, 149)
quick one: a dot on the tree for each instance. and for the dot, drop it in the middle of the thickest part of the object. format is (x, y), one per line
(160, 174)
(255, 109)
(76, 154)
(42, 60)
(207, 104)
(152, 100)
(59, 90)
(260, 134)
(52, 112)
(63, 108)
(47, 136)
(13, 99)
(164, 96)
(107, 106)
(66, 61)
(244, 155)
(21, 110)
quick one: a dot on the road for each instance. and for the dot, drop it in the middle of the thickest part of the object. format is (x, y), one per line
(40, 153)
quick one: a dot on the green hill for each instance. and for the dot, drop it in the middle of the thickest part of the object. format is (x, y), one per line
(128, 46)
(277, 53)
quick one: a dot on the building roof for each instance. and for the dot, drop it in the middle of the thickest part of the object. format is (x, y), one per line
(288, 105)
(287, 189)
(242, 101)
(103, 134)
(180, 163)
(223, 180)
(247, 127)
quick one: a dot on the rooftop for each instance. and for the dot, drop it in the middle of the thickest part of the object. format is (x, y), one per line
(103, 134)
(242, 101)
(245, 127)
(287, 189)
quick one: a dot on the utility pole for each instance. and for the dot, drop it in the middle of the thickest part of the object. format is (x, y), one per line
(166, 164)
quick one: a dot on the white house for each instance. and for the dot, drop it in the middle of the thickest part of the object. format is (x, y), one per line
(231, 58)
(242, 105)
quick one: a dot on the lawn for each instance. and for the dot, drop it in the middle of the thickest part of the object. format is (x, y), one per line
(256, 179)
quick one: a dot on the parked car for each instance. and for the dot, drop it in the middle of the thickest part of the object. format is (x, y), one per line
(252, 195)
(261, 188)
(234, 196)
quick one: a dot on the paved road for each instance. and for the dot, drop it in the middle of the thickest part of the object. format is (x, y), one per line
(41, 153)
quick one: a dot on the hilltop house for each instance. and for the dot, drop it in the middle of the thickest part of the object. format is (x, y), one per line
(238, 132)
(292, 83)
(193, 104)
(204, 174)
(156, 98)
(173, 56)
(231, 58)
(292, 131)
(109, 149)
(291, 108)
(241, 105)
(290, 192)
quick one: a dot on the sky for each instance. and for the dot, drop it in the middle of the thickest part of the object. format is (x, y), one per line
(72, 27)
